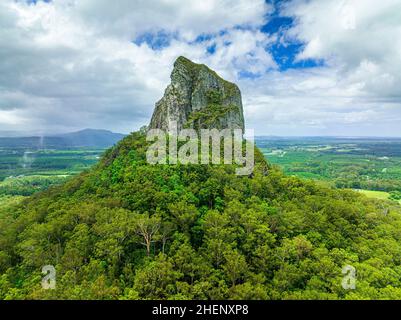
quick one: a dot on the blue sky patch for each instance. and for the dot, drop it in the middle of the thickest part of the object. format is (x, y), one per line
(36, 1)
(156, 41)
(211, 49)
(244, 74)
(285, 50)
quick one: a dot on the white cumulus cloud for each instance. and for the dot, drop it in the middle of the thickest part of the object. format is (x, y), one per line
(70, 64)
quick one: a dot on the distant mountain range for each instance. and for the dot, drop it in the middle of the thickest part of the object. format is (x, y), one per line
(88, 138)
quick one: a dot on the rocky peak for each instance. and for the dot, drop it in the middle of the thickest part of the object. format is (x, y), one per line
(198, 97)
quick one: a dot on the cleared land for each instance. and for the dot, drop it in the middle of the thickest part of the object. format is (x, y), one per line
(372, 165)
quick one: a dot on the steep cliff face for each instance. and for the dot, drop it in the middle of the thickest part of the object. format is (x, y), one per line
(198, 98)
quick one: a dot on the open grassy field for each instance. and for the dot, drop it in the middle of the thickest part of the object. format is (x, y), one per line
(375, 194)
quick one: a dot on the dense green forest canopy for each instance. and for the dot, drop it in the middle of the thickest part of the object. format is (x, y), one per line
(129, 230)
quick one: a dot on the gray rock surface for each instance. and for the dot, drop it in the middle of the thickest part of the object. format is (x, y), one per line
(198, 98)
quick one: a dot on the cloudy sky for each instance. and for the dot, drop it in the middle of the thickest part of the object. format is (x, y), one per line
(323, 67)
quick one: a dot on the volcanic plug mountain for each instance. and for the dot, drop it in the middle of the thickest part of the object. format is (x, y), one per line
(198, 97)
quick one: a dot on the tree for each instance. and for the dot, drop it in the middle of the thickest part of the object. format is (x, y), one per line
(147, 227)
(235, 266)
(157, 279)
(219, 236)
(184, 215)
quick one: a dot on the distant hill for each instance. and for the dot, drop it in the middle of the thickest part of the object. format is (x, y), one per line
(88, 138)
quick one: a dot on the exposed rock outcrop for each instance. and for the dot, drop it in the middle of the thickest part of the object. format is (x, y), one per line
(198, 98)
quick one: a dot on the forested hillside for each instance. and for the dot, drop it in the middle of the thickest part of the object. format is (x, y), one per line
(130, 230)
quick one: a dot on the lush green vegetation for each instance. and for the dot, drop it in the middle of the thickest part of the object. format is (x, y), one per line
(395, 195)
(209, 117)
(375, 194)
(27, 185)
(23, 172)
(371, 164)
(129, 230)
(16, 162)
(8, 201)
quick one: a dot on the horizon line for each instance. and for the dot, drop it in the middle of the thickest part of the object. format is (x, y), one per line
(34, 133)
